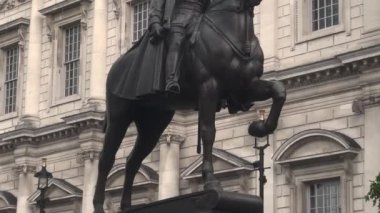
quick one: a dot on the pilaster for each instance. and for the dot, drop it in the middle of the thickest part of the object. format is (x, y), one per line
(90, 144)
(371, 151)
(98, 54)
(30, 114)
(169, 165)
(268, 33)
(25, 174)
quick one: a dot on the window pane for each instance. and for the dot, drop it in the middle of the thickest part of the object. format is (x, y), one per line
(11, 75)
(72, 57)
(325, 13)
(324, 196)
(140, 19)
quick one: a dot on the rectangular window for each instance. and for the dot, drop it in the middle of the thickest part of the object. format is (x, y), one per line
(11, 76)
(140, 19)
(72, 59)
(324, 196)
(325, 13)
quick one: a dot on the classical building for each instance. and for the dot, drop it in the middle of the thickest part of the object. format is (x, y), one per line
(54, 58)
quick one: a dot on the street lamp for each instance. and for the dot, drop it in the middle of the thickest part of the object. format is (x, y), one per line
(43, 179)
(259, 164)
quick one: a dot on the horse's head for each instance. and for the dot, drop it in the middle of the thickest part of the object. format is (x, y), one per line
(239, 5)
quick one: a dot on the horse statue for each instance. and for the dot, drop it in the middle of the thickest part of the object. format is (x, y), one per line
(222, 68)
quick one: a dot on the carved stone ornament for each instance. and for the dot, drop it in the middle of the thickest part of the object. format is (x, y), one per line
(21, 35)
(88, 155)
(23, 169)
(84, 7)
(10, 4)
(116, 8)
(50, 28)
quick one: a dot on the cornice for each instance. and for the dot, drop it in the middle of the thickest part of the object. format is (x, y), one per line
(340, 67)
(359, 105)
(14, 25)
(63, 5)
(72, 127)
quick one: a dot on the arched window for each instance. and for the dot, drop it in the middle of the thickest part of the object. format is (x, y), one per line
(317, 168)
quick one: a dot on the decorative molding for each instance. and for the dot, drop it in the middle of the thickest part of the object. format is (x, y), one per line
(23, 169)
(84, 8)
(359, 105)
(342, 66)
(86, 120)
(71, 192)
(172, 138)
(72, 126)
(116, 8)
(14, 25)
(21, 32)
(88, 155)
(347, 147)
(61, 6)
(50, 27)
(10, 4)
(238, 165)
(9, 200)
(150, 176)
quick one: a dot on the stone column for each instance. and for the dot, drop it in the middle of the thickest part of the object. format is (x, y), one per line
(33, 74)
(268, 33)
(26, 187)
(98, 54)
(91, 142)
(169, 166)
(90, 160)
(371, 151)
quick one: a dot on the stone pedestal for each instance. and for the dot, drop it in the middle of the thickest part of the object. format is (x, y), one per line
(204, 202)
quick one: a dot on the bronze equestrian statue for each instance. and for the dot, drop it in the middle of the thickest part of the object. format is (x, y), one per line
(220, 67)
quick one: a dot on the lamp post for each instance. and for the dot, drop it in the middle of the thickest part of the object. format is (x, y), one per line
(259, 164)
(43, 180)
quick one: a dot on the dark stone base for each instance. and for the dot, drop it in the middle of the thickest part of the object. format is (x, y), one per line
(204, 202)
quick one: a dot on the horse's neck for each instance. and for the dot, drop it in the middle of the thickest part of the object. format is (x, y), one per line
(237, 24)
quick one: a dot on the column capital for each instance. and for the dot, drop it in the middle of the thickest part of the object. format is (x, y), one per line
(91, 155)
(23, 169)
(172, 138)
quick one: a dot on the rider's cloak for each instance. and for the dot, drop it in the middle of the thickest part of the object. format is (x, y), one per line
(139, 71)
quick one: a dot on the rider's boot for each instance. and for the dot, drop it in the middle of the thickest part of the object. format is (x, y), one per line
(172, 63)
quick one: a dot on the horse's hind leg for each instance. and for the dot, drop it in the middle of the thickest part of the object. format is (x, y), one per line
(260, 90)
(150, 124)
(119, 116)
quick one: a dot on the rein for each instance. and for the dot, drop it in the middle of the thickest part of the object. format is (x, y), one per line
(241, 53)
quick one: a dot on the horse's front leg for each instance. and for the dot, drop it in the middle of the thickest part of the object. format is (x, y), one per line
(208, 100)
(263, 90)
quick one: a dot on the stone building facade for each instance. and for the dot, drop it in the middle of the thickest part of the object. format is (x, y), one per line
(54, 58)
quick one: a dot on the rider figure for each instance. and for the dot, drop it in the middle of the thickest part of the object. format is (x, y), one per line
(175, 17)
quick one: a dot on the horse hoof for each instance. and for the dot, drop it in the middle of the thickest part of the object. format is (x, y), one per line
(213, 185)
(258, 129)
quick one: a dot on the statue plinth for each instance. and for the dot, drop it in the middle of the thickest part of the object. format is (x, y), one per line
(204, 202)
